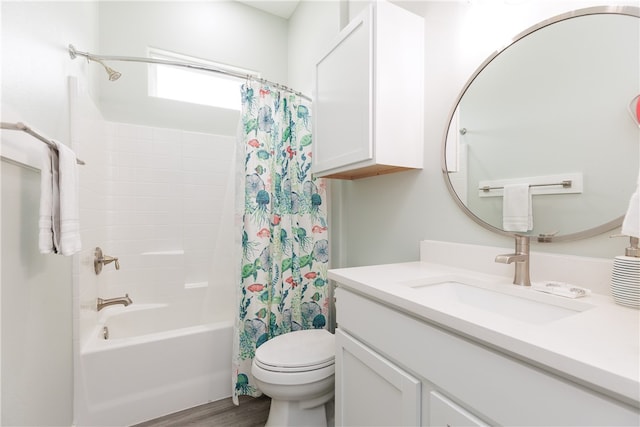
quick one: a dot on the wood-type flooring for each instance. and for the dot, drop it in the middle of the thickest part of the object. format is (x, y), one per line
(252, 412)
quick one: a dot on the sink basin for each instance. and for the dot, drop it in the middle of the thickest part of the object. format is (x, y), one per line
(518, 303)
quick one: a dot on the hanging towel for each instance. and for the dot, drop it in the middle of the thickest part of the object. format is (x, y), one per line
(59, 210)
(631, 223)
(48, 185)
(517, 208)
(69, 240)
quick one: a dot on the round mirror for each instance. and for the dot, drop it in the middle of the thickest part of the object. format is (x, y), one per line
(550, 115)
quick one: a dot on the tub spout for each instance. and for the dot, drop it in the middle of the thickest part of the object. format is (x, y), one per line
(125, 300)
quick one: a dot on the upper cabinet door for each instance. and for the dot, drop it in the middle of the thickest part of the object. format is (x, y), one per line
(368, 97)
(343, 100)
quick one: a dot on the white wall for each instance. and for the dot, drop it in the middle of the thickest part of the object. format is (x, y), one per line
(384, 217)
(311, 30)
(36, 290)
(225, 32)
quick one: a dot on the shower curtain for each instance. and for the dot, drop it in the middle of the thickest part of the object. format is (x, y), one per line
(281, 223)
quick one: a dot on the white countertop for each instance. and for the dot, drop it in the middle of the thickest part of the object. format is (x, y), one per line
(598, 347)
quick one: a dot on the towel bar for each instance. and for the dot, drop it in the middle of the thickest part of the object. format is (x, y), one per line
(33, 133)
(565, 184)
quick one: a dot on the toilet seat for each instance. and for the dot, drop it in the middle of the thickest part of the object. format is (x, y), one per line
(298, 351)
(288, 369)
(297, 371)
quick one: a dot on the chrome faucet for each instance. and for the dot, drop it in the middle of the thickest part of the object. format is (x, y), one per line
(521, 258)
(125, 300)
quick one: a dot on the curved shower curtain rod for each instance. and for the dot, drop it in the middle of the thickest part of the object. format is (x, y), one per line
(114, 75)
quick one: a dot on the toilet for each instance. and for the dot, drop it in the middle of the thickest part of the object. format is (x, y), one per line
(296, 370)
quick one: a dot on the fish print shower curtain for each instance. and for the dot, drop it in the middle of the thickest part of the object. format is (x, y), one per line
(282, 227)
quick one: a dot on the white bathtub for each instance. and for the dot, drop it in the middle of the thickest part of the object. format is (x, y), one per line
(157, 361)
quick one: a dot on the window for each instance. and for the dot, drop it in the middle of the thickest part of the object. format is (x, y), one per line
(195, 86)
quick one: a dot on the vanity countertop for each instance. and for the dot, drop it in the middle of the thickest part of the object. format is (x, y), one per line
(598, 347)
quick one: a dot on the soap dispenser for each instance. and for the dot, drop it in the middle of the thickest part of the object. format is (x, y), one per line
(625, 277)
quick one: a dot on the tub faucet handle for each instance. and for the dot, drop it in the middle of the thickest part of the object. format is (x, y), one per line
(108, 259)
(100, 259)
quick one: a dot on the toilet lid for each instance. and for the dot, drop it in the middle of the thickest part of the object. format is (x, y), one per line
(299, 350)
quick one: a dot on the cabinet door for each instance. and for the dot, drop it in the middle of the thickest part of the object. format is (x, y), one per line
(343, 98)
(371, 390)
(443, 412)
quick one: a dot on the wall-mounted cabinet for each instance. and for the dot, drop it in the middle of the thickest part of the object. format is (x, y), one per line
(369, 95)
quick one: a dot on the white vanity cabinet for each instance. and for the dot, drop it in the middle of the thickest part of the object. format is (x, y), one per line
(368, 96)
(383, 354)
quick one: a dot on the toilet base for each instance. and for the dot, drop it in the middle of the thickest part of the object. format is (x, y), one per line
(292, 413)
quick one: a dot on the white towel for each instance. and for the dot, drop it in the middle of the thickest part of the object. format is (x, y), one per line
(69, 202)
(517, 213)
(59, 210)
(631, 223)
(46, 240)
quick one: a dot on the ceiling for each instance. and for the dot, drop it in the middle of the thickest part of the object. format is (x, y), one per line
(281, 8)
(285, 8)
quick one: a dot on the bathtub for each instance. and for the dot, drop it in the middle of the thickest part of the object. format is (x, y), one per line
(156, 360)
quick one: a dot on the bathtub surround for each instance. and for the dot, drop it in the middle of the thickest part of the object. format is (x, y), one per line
(156, 204)
(166, 190)
(161, 201)
(282, 225)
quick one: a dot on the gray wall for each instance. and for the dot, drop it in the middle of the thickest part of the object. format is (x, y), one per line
(532, 112)
(382, 219)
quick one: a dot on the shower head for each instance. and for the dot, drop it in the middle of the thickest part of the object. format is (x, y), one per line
(113, 74)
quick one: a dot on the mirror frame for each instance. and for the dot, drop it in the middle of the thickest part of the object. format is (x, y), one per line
(600, 229)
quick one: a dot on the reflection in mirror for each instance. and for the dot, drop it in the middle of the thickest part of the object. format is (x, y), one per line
(634, 109)
(550, 111)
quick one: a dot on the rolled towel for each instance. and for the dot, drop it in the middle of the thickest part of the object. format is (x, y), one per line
(517, 213)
